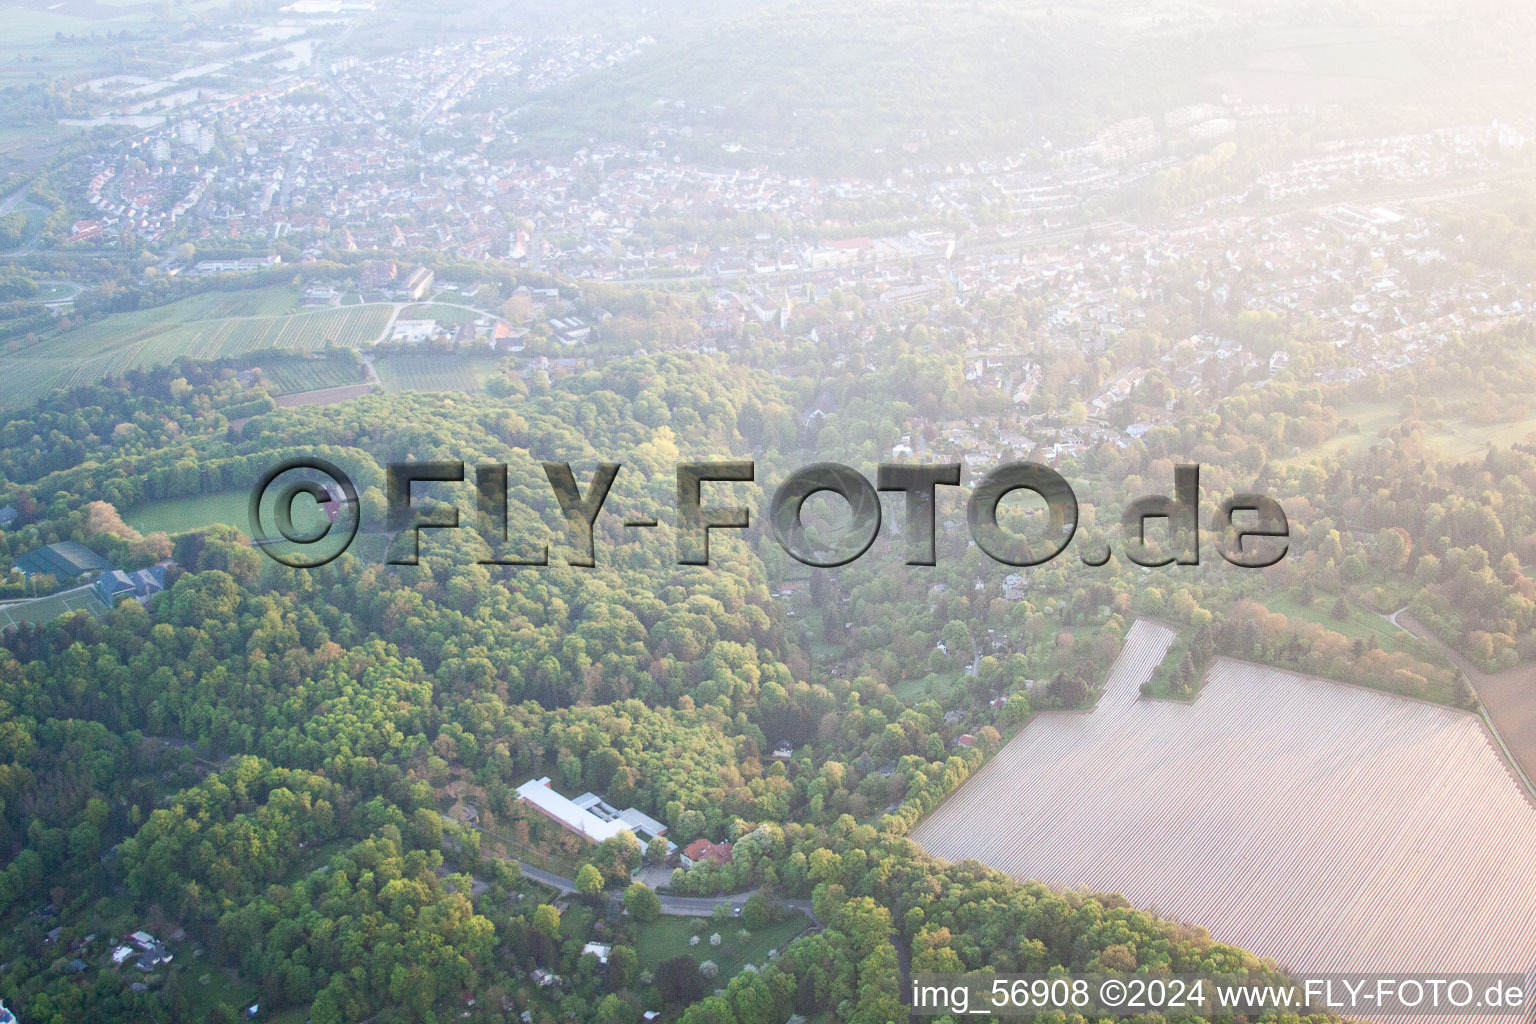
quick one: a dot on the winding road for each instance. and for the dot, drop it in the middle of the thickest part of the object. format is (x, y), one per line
(676, 906)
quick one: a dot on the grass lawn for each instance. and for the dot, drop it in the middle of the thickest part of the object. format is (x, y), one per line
(1358, 626)
(576, 922)
(823, 651)
(1451, 433)
(1463, 440)
(1370, 417)
(316, 857)
(940, 686)
(667, 937)
(208, 986)
(181, 515)
(53, 292)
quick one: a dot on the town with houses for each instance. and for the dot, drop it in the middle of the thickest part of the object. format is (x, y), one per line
(364, 217)
(375, 163)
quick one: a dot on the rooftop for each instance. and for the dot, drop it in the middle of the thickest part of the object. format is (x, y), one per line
(567, 812)
(64, 560)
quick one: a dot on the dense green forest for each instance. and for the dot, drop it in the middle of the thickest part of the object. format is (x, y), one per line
(274, 761)
(266, 759)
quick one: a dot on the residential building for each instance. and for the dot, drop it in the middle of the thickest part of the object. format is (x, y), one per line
(419, 284)
(141, 585)
(703, 850)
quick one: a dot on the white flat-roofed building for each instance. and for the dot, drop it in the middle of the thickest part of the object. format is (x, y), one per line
(413, 332)
(643, 823)
(567, 812)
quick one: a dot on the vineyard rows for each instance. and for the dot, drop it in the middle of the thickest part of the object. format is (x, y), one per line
(192, 327)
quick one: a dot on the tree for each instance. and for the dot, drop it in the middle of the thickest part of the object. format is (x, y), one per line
(518, 309)
(546, 920)
(957, 638)
(656, 853)
(678, 981)
(617, 857)
(589, 881)
(643, 904)
(756, 913)
(613, 1010)
(623, 965)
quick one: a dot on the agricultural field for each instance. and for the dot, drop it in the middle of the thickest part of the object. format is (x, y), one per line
(1214, 810)
(1506, 696)
(246, 302)
(212, 326)
(290, 376)
(1301, 65)
(325, 396)
(432, 373)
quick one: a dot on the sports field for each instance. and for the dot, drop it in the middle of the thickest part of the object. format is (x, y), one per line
(180, 515)
(1331, 827)
(443, 314)
(49, 608)
(211, 326)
